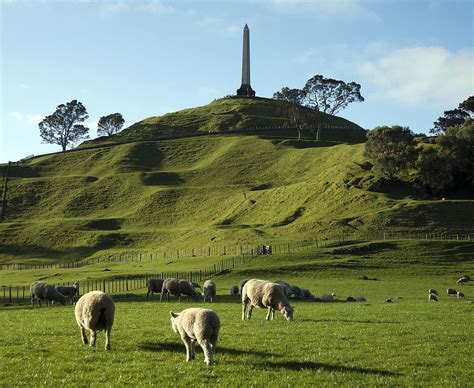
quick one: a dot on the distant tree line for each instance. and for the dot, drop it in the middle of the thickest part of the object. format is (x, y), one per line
(442, 167)
(64, 126)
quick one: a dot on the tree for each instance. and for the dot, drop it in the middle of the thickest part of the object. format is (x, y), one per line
(61, 127)
(110, 124)
(329, 95)
(295, 96)
(298, 115)
(450, 119)
(468, 105)
(434, 170)
(391, 149)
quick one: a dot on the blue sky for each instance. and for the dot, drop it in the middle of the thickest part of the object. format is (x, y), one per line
(414, 59)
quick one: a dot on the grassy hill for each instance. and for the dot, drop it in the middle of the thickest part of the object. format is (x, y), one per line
(208, 190)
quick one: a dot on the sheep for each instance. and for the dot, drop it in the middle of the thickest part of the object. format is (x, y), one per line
(350, 299)
(195, 285)
(209, 290)
(433, 297)
(451, 291)
(47, 292)
(306, 294)
(234, 290)
(69, 291)
(328, 297)
(467, 277)
(432, 291)
(363, 277)
(95, 311)
(285, 287)
(390, 300)
(242, 284)
(360, 299)
(296, 292)
(154, 285)
(178, 287)
(197, 324)
(462, 280)
(263, 294)
(460, 295)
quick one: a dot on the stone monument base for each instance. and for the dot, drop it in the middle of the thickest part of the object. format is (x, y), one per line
(245, 91)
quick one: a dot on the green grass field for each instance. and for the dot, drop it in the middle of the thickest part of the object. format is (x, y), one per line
(411, 342)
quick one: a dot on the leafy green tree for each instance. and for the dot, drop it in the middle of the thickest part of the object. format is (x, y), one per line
(62, 126)
(329, 95)
(435, 170)
(295, 96)
(468, 105)
(110, 124)
(298, 116)
(391, 150)
(450, 119)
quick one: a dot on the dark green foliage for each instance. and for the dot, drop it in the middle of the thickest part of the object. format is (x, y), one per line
(110, 124)
(295, 96)
(435, 170)
(391, 149)
(450, 119)
(61, 127)
(468, 105)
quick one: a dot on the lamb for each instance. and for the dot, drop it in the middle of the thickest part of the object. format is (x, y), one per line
(69, 291)
(197, 324)
(433, 297)
(234, 290)
(154, 285)
(95, 311)
(328, 297)
(242, 284)
(462, 279)
(263, 294)
(460, 295)
(46, 292)
(451, 291)
(432, 291)
(209, 290)
(177, 287)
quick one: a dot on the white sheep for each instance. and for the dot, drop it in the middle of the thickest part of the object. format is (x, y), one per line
(326, 297)
(178, 287)
(462, 280)
(432, 291)
(154, 285)
(263, 294)
(433, 297)
(45, 292)
(197, 324)
(209, 289)
(95, 311)
(451, 291)
(69, 291)
(460, 295)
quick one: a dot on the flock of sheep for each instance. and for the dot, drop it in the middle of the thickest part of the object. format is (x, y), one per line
(433, 294)
(95, 310)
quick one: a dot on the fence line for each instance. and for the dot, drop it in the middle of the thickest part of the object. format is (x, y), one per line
(124, 284)
(246, 249)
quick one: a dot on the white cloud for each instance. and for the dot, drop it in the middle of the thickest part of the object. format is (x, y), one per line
(429, 75)
(208, 91)
(326, 8)
(208, 21)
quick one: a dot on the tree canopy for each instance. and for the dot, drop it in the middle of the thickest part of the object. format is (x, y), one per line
(450, 119)
(110, 124)
(62, 127)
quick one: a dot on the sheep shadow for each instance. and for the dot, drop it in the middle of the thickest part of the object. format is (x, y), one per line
(178, 347)
(317, 366)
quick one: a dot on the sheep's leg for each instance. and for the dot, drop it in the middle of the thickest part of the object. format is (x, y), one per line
(84, 336)
(93, 337)
(250, 311)
(179, 297)
(244, 307)
(187, 343)
(207, 350)
(193, 348)
(32, 300)
(273, 314)
(107, 338)
(269, 313)
(147, 293)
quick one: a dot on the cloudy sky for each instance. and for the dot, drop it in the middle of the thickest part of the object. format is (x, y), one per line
(414, 59)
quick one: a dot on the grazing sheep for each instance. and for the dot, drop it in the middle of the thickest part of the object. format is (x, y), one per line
(195, 285)
(451, 291)
(432, 291)
(69, 291)
(462, 280)
(178, 287)
(363, 277)
(234, 290)
(433, 297)
(263, 294)
(316, 299)
(328, 297)
(360, 299)
(154, 285)
(242, 284)
(460, 295)
(197, 324)
(95, 312)
(350, 299)
(390, 300)
(466, 277)
(297, 292)
(306, 294)
(285, 287)
(45, 292)
(209, 290)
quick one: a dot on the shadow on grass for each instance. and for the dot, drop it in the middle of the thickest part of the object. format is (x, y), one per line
(311, 365)
(365, 321)
(178, 346)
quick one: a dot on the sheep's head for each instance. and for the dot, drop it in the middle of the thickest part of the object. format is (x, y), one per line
(173, 316)
(287, 313)
(197, 296)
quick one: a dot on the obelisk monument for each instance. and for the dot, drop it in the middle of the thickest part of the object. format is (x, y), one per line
(245, 89)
